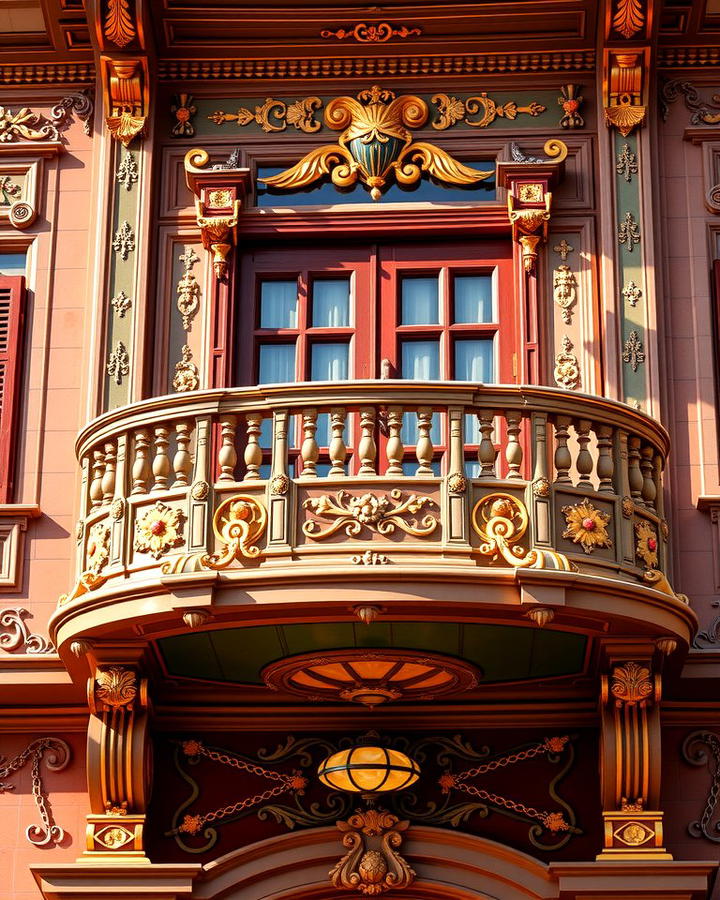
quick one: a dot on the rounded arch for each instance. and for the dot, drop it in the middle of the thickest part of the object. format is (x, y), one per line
(449, 865)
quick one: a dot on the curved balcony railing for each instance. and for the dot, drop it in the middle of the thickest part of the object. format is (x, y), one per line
(392, 473)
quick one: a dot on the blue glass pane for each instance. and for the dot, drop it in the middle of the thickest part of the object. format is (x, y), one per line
(329, 362)
(325, 192)
(421, 360)
(472, 468)
(278, 304)
(410, 468)
(472, 429)
(277, 363)
(331, 303)
(409, 433)
(474, 360)
(12, 263)
(323, 433)
(419, 301)
(322, 469)
(473, 299)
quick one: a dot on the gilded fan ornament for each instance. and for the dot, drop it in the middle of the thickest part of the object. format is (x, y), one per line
(375, 144)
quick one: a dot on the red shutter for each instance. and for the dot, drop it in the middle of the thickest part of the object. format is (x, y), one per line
(12, 308)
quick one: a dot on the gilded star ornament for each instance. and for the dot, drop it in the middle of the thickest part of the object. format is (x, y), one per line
(587, 526)
(159, 530)
(633, 352)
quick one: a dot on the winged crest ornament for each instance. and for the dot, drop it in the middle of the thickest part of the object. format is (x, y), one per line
(376, 143)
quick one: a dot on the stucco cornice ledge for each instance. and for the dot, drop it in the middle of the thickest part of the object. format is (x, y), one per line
(115, 881)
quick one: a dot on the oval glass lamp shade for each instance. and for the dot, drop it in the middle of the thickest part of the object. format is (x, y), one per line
(368, 770)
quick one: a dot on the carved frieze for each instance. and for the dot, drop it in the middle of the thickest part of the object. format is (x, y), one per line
(382, 514)
(25, 125)
(276, 115)
(376, 33)
(479, 111)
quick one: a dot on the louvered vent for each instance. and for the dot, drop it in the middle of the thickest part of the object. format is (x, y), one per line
(12, 300)
(5, 307)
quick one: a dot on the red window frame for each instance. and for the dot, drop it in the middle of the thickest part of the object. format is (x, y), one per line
(12, 311)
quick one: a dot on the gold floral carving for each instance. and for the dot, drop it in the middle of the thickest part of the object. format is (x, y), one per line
(632, 293)
(116, 687)
(371, 34)
(279, 485)
(625, 117)
(457, 483)
(238, 523)
(567, 367)
(571, 101)
(9, 191)
(127, 173)
(188, 290)
(627, 506)
(586, 526)
(368, 511)
(501, 520)
(631, 684)
(370, 558)
(25, 125)
(451, 110)
(275, 115)
(647, 544)
(541, 487)
(97, 555)
(159, 530)
(200, 490)
(114, 837)
(626, 163)
(187, 375)
(564, 249)
(564, 291)
(628, 18)
(629, 232)
(124, 240)
(118, 364)
(376, 121)
(633, 352)
(372, 865)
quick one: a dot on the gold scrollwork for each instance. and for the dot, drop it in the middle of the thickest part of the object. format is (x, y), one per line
(275, 115)
(372, 864)
(452, 110)
(371, 34)
(375, 143)
(501, 520)
(238, 523)
(369, 511)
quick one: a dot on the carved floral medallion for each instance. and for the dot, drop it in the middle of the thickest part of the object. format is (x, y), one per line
(587, 526)
(646, 547)
(372, 866)
(159, 530)
(631, 683)
(116, 687)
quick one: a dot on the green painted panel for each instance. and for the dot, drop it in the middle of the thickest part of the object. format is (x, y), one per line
(503, 652)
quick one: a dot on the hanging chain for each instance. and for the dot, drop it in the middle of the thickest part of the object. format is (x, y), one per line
(49, 831)
(294, 782)
(553, 821)
(549, 745)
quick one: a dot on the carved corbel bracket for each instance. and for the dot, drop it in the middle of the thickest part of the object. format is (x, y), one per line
(630, 697)
(219, 193)
(126, 97)
(624, 90)
(529, 198)
(118, 763)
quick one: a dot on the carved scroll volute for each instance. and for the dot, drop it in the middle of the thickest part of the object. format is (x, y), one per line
(630, 760)
(119, 768)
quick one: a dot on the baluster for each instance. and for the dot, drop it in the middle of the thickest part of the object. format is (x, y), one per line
(108, 480)
(227, 455)
(337, 449)
(584, 461)
(563, 459)
(657, 474)
(253, 451)
(649, 491)
(141, 464)
(486, 450)
(513, 451)
(605, 463)
(182, 462)
(309, 450)
(539, 437)
(161, 463)
(367, 449)
(98, 469)
(634, 474)
(395, 449)
(424, 448)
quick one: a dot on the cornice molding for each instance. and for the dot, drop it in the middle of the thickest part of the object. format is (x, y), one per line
(688, 57)
(47, 73)
(382, 66)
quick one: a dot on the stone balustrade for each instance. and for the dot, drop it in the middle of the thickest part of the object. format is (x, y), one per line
(416, 477)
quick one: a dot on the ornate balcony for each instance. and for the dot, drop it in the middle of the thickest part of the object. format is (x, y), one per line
(222, 499)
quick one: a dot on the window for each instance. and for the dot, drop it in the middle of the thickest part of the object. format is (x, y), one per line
(12, 302)
(423, 312)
